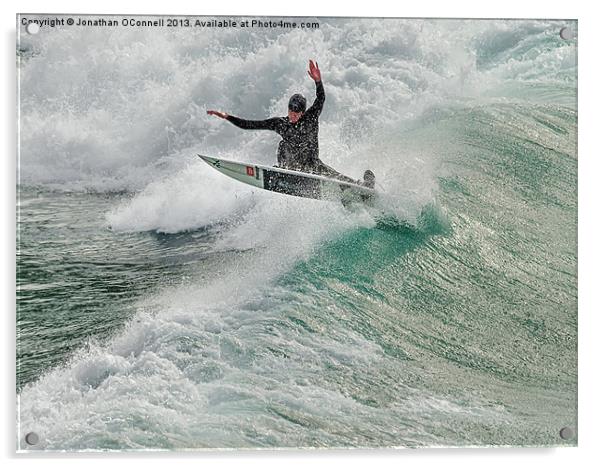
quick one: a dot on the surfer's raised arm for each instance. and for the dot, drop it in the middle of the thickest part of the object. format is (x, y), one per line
(314, 73)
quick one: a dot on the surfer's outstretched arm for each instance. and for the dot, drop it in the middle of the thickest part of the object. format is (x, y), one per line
(269, 124)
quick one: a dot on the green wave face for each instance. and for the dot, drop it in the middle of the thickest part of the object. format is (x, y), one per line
(480, 301)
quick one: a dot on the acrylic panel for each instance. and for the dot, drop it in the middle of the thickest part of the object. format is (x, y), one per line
(380, 252)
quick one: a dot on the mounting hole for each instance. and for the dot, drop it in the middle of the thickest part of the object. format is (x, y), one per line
(566, 433)
(32, 28)
(32, 438)
(566, 34)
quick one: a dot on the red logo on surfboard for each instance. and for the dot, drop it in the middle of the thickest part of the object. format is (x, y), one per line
(250, 171)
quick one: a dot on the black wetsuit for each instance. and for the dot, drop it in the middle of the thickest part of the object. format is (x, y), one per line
(298, 149)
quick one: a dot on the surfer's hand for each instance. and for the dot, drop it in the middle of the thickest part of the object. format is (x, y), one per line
(314, 71)
(217, 114)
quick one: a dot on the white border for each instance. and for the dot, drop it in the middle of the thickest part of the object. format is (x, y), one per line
(589, 231)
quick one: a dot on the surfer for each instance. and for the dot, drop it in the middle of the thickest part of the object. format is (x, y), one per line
(298, 149)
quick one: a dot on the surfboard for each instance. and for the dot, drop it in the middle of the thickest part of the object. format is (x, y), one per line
(292, 182)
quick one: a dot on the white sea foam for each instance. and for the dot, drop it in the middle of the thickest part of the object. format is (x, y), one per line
(194, 197)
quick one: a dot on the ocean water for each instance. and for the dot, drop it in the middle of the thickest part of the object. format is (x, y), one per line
(161, 305)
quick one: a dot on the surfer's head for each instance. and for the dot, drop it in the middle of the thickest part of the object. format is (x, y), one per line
(369, 179)
(296, 107)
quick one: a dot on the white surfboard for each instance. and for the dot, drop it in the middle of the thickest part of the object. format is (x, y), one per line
(292, 182)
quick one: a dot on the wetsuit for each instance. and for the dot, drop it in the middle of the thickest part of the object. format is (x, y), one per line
(298, 149)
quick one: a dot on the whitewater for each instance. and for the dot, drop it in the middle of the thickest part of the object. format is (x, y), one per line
(162, 305)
